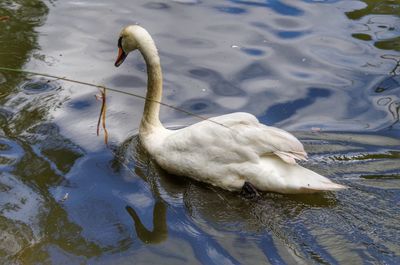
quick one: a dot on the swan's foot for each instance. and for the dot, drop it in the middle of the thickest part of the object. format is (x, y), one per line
(249, 191)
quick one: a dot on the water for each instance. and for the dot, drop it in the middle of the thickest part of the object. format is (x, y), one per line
(325, 70)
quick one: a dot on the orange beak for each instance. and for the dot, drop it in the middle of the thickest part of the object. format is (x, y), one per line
(121, 57)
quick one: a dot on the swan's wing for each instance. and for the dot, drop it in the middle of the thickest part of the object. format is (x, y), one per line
(263, 139)
(240, 136)
(281, 143)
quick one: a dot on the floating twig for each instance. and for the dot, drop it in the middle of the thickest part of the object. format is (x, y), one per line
(102, 116)
(66, 196)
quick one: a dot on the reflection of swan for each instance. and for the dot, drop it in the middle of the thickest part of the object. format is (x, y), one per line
(232, 151)
(160, 231)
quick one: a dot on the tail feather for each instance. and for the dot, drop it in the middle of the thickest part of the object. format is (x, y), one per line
(331, 186)
(291, 157)
(280, 176)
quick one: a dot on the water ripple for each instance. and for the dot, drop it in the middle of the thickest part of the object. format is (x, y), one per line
(276, 5)
(39, 85)
(218, 84)
(299, 64)
(10, 154)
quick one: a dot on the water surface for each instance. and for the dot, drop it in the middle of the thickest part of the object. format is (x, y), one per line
(328, 71)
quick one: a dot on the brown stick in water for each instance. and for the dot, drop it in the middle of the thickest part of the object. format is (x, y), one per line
(102, 116)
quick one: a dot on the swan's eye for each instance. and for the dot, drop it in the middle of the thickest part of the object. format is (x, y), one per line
(120, 42)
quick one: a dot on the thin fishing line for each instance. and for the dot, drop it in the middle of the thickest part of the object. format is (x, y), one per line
(110, 89)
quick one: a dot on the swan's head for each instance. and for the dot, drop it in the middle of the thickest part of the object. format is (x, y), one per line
(129, 41)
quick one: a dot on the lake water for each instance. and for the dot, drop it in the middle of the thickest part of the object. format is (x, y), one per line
(328, 71)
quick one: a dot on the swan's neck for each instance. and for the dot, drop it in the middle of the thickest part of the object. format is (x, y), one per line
(150, 120)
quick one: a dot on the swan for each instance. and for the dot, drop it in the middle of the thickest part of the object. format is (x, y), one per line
(233, 151)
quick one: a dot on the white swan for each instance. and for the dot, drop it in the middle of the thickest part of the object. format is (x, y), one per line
(230, 151)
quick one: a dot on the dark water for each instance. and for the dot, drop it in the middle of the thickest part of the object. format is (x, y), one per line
(327, 71)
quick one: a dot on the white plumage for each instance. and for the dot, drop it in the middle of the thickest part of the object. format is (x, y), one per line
(225, 151)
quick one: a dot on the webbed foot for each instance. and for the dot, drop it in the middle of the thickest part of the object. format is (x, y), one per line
(249, 191)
